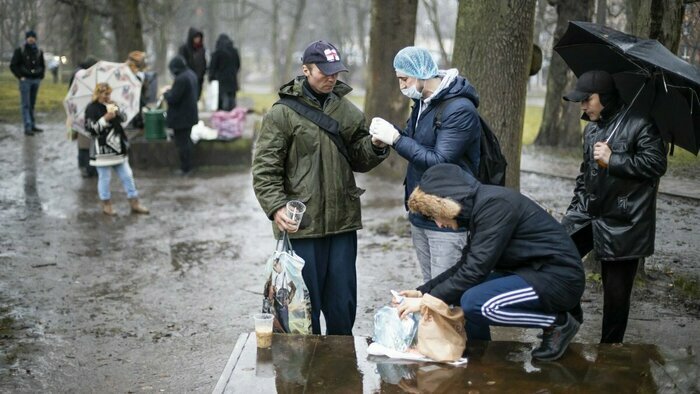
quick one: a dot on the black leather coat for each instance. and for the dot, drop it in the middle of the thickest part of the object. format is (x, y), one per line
(619, 201)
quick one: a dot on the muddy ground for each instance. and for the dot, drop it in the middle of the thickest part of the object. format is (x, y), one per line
(90, 303)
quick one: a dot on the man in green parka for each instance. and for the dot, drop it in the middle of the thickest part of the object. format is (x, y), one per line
(295, 159)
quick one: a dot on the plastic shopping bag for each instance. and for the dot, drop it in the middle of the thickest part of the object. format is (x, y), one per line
(229, 124)
(392, 331)
(285, 294)
(212, 97)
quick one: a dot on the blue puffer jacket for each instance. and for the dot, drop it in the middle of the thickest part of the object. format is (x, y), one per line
(424, 146)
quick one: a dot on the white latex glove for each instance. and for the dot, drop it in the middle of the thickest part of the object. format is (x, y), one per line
(383, 131)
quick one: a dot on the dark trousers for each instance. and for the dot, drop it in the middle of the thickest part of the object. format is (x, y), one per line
(618, 279)
(329, 274)
(84, 162)
(184, 148)
(227, 101)
(200, 82)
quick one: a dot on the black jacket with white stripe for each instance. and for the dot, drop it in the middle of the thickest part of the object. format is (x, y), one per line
(508, 233)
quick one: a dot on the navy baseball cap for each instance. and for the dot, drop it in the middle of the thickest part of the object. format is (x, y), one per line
(325, 56)
(596, 81)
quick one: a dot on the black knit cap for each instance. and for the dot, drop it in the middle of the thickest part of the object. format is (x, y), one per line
(30, 33)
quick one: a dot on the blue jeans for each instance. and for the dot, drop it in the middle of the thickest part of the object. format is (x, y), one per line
(437, 250)
(329, 274)
(28, 89)
(502, 300)
(124, 172)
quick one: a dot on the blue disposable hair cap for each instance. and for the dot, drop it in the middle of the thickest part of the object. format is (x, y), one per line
(415, 62)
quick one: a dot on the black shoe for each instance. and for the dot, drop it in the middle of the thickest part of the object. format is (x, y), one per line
(28, 132)
(556, 339)
(37, 130)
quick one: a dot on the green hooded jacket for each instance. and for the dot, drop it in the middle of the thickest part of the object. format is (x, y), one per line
(294, 159)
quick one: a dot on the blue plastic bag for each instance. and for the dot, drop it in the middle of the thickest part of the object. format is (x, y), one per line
(392, 331)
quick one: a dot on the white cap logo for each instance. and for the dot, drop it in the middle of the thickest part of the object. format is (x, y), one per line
(331, 55)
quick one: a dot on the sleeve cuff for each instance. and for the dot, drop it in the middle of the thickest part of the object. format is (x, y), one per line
(380, 151)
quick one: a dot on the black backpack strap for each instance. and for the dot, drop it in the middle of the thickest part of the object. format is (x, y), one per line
(320, 119)
(437, 120)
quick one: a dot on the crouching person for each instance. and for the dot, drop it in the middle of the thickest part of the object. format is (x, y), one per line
(519, 268)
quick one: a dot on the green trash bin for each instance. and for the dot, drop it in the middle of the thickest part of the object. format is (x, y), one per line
(154, 123)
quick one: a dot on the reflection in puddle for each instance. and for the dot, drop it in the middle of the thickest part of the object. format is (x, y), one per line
(32, 202)
(340, 364)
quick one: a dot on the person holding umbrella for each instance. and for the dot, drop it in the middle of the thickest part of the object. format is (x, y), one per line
(108, 148)
(613, 210)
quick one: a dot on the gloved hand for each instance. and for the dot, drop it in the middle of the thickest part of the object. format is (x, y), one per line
(383, 131)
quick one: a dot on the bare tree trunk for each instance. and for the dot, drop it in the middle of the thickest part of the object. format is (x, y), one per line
(431, 8)
(282, 59)
(126, 22)
(212, 24)
(493, 48)
(601, 11)
(291, 43)
(361, 17)
(18, 16)
(540, 24)
(561, 126)
(78, 35)
(656, 19)
(279, 78)
(390, 31)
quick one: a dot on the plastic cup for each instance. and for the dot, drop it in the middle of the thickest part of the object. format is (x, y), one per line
(295, 211)
(263, 329)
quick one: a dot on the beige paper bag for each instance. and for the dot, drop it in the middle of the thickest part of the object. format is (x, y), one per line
(441, 333)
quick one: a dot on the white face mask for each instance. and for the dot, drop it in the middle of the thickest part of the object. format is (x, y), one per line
(412, 93)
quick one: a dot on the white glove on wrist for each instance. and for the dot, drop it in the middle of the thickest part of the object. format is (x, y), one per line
(383, 131)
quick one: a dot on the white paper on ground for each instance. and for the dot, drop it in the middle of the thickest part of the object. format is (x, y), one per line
(377, 349)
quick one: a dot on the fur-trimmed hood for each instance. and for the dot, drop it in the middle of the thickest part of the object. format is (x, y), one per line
(445, 191)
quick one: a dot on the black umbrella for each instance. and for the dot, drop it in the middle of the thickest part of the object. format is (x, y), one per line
(649, 77)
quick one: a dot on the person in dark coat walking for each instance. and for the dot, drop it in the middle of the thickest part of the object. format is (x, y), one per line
(519, 268)
(182, 111)
(431, 139)
(224, 67)
(613, 210)
(194, 53)
(27, 65)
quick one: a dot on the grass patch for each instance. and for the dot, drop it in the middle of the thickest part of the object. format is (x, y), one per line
(49, 99)
(531, 126)
(688, 288)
